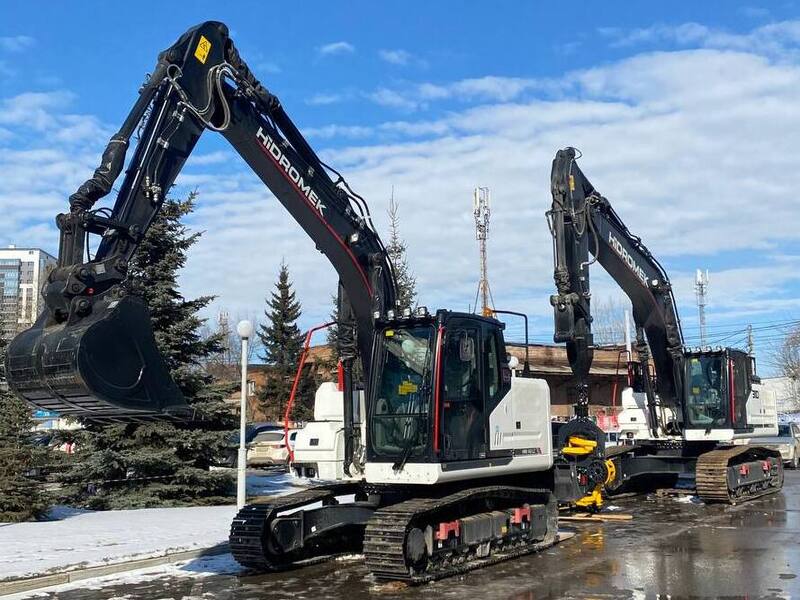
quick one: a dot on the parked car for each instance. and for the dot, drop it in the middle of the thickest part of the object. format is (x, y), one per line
(268, 448)
(230, 456)
(787, 442)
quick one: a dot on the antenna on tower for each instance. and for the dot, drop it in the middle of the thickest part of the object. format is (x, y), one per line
(701, 291)
(481, 209)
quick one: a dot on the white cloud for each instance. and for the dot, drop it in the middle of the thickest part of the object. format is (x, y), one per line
(395, 57)
(211, 158)
(336, 48)
(337, 131)
(488, 88)
(393, 99)
(324, 99)
(778, 39)
(16, 43)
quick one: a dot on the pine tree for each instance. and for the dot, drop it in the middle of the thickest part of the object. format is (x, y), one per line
(21, 498)
(396, 248)
(282, 342)
(162, 463)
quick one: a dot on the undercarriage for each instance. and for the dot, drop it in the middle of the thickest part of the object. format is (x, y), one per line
(411, 534)
(718, 473)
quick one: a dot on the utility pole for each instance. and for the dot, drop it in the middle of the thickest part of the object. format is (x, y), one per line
(245, 331)
(751, 345)
(481, 209)
(701, 291)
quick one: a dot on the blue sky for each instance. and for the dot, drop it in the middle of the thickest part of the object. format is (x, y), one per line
(687, 115)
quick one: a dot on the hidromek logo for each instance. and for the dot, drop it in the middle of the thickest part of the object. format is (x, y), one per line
(276, 153)
(625, 256)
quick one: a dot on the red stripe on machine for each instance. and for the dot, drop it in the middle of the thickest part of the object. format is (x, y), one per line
(437, 389)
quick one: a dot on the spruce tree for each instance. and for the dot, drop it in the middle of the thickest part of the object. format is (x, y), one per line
(21, 498)
(396, 248)
(282, 343)
(162, 463)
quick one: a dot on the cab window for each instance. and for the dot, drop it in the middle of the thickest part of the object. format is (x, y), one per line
(706, 404)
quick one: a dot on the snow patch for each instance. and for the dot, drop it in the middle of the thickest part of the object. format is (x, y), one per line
(74, 539)
(223, 564)
(687, 499)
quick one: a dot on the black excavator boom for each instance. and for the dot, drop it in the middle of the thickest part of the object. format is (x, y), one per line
(92, 352)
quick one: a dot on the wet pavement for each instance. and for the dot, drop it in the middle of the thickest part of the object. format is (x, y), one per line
(670, 549)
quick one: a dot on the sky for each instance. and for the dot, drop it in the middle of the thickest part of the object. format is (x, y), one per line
(687, 115)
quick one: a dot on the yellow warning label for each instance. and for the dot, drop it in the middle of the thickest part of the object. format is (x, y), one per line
(407, 387)
(696, 391)
(389, 333)
(202, 50)
(571, 179)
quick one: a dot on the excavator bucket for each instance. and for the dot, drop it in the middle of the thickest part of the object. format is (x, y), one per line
(104, 366)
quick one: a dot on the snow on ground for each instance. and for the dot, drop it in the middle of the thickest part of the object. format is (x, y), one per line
(198, 567)
(75, 538)
(687, 499)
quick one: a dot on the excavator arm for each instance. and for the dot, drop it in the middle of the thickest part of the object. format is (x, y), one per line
(91, 353)
(583, 223)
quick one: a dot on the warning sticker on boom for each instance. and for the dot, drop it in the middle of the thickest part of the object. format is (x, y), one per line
(202, 50)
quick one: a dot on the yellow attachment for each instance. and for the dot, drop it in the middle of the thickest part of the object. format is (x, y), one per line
(579, 441)
(591, 501)
(612, 472)
(575, 451)
(579, 446)
(594, 500)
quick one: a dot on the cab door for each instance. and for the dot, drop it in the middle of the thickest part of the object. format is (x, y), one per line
(463, 392)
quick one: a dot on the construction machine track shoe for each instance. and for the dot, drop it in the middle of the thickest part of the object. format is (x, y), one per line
(102, 366)
(738, 474)
(425, 539)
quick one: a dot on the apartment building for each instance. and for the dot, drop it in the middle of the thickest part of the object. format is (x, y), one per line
(22, 273)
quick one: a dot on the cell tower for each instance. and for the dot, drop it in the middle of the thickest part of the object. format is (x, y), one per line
(223, 319)
(481, 200)
(701, 291)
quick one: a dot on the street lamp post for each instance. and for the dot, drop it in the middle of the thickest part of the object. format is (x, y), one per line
(245, 330)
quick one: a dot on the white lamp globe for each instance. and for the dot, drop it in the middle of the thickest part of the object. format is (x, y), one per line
(245, 329)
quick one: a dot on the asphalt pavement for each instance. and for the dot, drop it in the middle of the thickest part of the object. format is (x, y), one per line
(671, 548)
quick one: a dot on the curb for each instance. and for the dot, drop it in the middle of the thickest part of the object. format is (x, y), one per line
(29, 584)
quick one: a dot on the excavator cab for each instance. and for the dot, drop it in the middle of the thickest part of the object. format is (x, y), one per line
(718, 384)
(435, 381)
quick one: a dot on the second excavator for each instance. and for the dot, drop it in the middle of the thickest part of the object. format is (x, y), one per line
(458, 465)
(699, 402)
